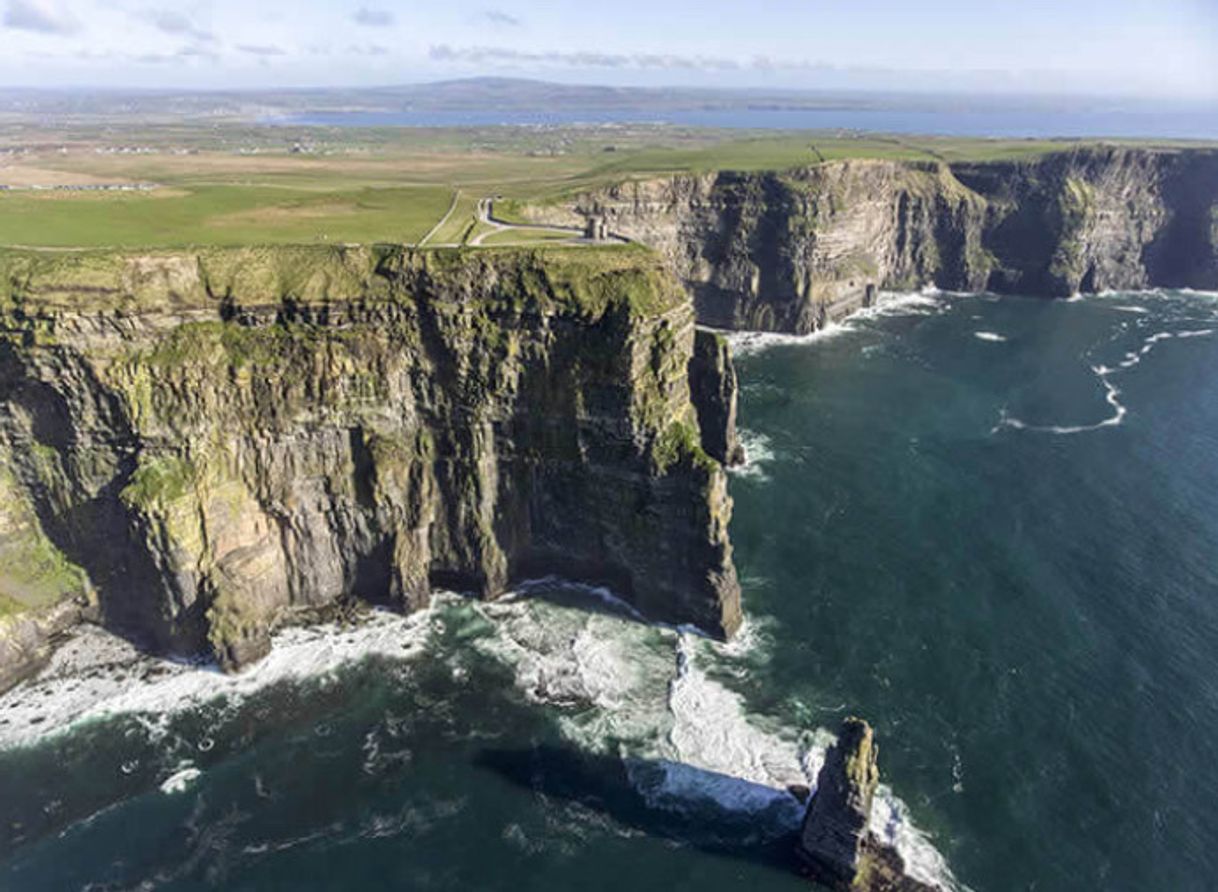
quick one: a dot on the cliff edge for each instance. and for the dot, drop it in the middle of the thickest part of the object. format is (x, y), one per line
(792, 250)
(195, 445)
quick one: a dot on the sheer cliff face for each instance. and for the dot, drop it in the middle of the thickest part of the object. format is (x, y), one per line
(790, 251)
(202, 442)
(1101, 219)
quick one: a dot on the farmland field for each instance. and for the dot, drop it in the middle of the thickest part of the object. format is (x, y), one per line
(159, 186)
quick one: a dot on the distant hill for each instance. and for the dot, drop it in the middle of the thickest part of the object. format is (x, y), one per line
(451, 95)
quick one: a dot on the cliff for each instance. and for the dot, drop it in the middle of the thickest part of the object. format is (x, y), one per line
(792, 250)
(715, 392)
(835, 845)
(197, 445)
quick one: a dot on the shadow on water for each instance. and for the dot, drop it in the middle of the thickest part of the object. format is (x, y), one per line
(612, 786)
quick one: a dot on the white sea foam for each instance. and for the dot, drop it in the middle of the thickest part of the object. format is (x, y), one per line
(183, 776)
(645, 693)
(758, 453)
(891, 822)
(710, 731)
(747, 343)
(904, 303)
(95, 675)
(989, 336)
(1112, 393)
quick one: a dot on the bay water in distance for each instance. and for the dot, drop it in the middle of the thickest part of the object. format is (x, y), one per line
(986, 524)
(993, 119)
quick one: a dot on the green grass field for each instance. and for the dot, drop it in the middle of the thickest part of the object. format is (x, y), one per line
(229, 185)
(219, 215)
(527, 237)
(456, 229)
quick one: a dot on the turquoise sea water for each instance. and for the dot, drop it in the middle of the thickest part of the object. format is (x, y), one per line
(988, 525)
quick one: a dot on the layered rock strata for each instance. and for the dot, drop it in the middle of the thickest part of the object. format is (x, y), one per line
(201, 443)
(793, 250)
(835, 843)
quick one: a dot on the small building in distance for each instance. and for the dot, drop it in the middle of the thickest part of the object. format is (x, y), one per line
(596, 229)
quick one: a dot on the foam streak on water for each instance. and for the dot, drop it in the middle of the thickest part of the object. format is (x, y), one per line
(647, 694)
(746, 343)
(95, 675)
(1105, 374)
(1112, 396)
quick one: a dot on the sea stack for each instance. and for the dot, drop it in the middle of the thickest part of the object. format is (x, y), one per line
(835, 845)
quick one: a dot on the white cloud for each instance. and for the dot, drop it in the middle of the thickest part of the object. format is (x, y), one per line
(254, 49)
(501, 19)
(373, 18)
(170, 21)
(40, 16)
(498, 55)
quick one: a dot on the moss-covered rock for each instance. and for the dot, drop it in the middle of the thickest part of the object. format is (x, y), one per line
(836, 845)
(232, 435)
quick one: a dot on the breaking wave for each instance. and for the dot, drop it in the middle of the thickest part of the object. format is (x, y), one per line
(926, 301)
(651, 696)
(96, 675)
(178, 782)
(758, 453)
(748, 343)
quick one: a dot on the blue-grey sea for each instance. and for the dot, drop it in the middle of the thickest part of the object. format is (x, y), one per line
(965, 118)
(989, 525)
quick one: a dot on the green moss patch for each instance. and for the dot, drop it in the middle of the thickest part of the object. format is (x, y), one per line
(159, 481)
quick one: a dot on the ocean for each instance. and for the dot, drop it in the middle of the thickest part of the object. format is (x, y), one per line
(986, 524)
(965, 118)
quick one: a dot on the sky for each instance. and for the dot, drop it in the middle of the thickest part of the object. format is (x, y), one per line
(1142, 48)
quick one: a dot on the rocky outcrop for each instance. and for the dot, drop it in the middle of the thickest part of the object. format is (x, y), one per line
(792, 250)
(41, 593)
(27, 637)
(1100, 219)
(835, 844)
(714, 389)
(208, 442)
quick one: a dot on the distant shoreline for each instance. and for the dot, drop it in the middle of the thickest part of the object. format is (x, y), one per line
(973, 122)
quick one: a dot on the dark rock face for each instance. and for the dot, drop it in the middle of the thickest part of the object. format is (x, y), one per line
(835, 828)
(835, 843)
(791, 251)
(1100, 219)
(25, 639)
(714, 389)
(214, 441)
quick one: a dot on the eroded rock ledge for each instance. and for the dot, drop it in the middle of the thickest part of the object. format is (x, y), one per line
(200, 443)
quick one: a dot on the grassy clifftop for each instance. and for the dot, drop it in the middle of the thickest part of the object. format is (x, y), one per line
(129, 281)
